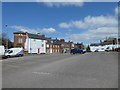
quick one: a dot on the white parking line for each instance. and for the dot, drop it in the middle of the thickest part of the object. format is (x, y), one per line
(45, 73)
(4, 60)
(13, 66)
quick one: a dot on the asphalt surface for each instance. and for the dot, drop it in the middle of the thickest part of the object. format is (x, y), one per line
(90, 70)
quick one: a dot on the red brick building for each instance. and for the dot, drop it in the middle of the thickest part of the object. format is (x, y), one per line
(19, 39)
(109, 41)
(79, 45)
(52, 46)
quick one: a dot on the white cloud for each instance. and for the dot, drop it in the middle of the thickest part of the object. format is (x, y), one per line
(24, 29)
(48, 30)
(94, 34)
(58, 3)
(38, 30)
(64, 25)
(94, 28)
(59, 0)
(90, 22)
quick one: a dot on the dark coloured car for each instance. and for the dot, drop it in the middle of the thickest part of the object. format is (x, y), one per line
(77, 51)
(117, 49)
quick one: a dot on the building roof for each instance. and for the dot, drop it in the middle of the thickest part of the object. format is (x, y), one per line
(106, 43)
(95, 44)
(33, 36)
(20, 32)
(109, 39)
(36, 36)
(57, 43)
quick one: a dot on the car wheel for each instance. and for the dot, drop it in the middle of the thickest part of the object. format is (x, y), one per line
(8, 56)
(20, 55)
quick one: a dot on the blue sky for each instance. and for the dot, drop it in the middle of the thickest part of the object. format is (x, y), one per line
(86, 22)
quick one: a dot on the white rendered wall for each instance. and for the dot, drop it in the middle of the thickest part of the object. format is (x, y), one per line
(32, 45)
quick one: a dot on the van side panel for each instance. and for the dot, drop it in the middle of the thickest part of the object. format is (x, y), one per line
(20, 53)
(2, 51)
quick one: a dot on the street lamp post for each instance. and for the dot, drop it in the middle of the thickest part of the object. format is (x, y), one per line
(7, 38)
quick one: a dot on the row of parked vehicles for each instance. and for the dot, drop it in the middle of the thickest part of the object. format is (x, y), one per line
(108, 50)
(105, 48)
(5, 53)
(95, 49)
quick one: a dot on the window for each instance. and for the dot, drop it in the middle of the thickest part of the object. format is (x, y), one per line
(11, 51)
(42, 45)
(47, 45)
(20, 34)
(19, 40)
(34, 40)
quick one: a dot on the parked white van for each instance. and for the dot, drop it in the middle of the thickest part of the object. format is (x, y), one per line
(14, 52)
(2, 51)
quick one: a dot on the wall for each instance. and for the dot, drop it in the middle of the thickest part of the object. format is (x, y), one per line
(16, 37)
(32, 45)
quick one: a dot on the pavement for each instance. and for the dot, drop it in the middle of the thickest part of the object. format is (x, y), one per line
(90, 70)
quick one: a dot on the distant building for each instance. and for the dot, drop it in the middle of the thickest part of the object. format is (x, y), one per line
(52, 47)
(32, 43)
(56, 48)
(49, 47)
(60, 46)
(118, 40)
(19, 39)
(79, 45)
(110, 43)
(37, 43)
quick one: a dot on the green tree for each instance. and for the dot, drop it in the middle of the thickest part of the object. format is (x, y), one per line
(4, 39)
(88, 49)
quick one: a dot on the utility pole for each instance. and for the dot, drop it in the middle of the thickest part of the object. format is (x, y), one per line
(6, 38)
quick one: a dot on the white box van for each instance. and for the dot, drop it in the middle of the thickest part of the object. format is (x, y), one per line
(14, 52)
(2, 51)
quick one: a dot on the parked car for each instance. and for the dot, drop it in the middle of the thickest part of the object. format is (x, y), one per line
(117, 49)
(108, 49)
(14, 52)
(96, 50)
(2, 51)
(64, 51)
(77, 51)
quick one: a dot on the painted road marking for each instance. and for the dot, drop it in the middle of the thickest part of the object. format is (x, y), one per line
(43, 73)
